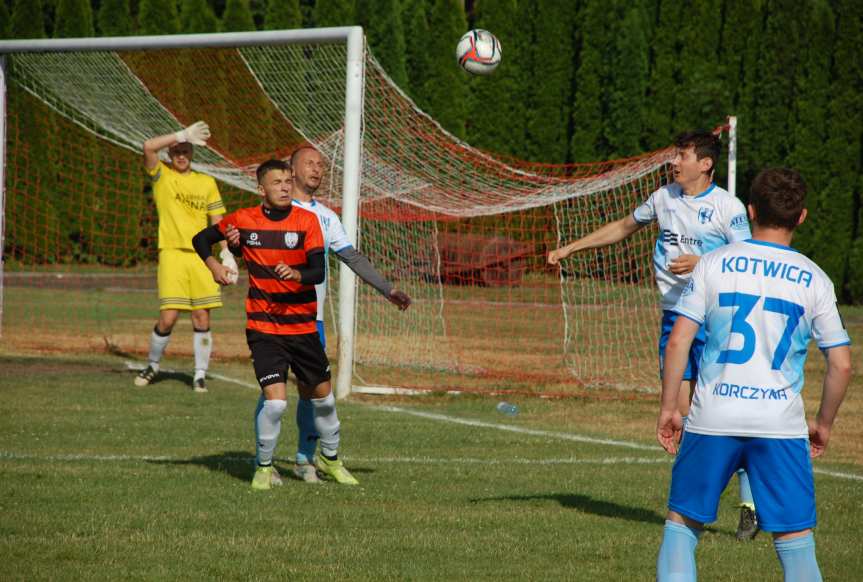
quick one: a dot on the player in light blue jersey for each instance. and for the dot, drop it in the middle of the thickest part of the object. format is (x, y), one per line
(695, 216)
(307, 168)
(759, 302)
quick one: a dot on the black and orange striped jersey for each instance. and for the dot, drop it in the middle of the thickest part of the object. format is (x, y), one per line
(273, 305)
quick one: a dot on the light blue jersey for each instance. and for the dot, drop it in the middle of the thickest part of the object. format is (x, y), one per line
(689, 225)
(760, 304)
(335, 239)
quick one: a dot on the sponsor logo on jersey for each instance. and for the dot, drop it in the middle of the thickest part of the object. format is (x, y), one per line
(675, 240)
(705, 214)
(253, 240)
(291, 240)
(740, 222)
(189, 201)
(767, 268)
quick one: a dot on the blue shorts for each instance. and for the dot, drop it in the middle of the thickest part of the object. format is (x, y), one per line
(691, 373)
(780, 475)
(322, 334)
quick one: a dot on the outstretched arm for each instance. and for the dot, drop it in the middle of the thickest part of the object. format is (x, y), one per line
(198, 133)
(835, 384)
(360, 264)
(606, 235)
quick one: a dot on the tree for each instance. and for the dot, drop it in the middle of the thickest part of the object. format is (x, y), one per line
(841, 199)
(237, 16)
(283, 15)
(496, 118)
(334, 13)
(698, 92)
(628, 84)
(27, 19)
(382, 22)
(158, 17)
(5, 21)
(417, 58)
(547, 79)
(114, 18)
(588, 101)
(810, 125)
(73, 19)
(446, 85)
(664, 47)
(196, 17)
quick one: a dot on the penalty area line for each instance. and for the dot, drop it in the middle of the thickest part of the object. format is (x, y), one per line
(504, 427)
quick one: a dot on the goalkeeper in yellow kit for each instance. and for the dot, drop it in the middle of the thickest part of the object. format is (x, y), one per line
(185, 200)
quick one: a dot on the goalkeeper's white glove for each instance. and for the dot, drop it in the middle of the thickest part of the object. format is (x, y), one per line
(198, 133)
(229, 262)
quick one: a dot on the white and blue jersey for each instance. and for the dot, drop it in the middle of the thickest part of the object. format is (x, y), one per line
(689, 225)
(760, 304)
(335, 239)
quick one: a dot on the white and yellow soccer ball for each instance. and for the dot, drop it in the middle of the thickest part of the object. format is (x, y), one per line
(478, 52)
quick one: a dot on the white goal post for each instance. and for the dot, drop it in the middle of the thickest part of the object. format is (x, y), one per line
(352, 36)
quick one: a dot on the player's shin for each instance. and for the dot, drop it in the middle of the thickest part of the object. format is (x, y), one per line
(268, 424)
(203, 344)
(158, 343)
(308, 436)
(676, 561)
(327, 424)
(797, 556)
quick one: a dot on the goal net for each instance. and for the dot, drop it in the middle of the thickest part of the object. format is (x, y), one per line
(463, 232)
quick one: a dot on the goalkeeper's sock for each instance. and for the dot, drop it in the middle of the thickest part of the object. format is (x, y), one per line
(203, 343)
(327, 424)
(797, 557)
(268, 424)
(745, 491)
(676, 561)
(158, 343)
(308, 437)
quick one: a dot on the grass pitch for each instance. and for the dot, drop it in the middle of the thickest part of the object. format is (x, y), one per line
(103, 481)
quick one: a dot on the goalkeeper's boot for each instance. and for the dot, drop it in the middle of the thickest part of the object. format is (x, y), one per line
(306, 472)
(263, 478)
(334, 470)
(145, 376)
(748, 526)
(199, 385)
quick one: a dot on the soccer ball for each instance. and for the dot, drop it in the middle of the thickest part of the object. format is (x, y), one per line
(478, 52)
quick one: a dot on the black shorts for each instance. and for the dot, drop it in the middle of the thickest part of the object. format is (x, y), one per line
(273, 355)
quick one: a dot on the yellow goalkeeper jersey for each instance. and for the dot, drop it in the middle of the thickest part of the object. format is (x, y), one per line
(183, 201)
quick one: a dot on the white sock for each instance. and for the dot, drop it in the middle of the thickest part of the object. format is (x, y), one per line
(327, 424)
(203, 343)
(158, 343)
(268, 424)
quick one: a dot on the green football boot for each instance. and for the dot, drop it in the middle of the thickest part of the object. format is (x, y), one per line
(334, 470)
(263, 478)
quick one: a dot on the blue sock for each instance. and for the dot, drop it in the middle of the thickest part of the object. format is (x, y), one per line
(676, 561)
(308, 440)
(745, 491)
(797, 556)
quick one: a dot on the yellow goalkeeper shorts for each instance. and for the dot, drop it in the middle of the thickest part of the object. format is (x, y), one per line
(185, 282)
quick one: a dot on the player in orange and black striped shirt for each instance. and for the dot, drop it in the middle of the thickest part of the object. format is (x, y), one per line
(284, 251)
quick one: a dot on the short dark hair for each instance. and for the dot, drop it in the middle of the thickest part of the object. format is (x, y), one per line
(778, 196)
(269, 166)
(706, 144)
(296, 152)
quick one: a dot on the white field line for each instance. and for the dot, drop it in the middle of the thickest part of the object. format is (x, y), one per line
(11, 455)
(508, 428)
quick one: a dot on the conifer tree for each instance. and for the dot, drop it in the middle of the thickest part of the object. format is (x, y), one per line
(496, 120)
(417, 58)
(698, 88)
(5, 21)
(27, 19)
(115, 18)
(628, 84)
(237, 16)
(73, 19)
(196, 17)
(664, 45)
(334, 13)
(588, 104)
(283, 15)
(382, 21)
(158, 17)
(446, 85)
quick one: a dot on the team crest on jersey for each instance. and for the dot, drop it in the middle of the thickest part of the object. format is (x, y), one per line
(705, 214)
(291, 240)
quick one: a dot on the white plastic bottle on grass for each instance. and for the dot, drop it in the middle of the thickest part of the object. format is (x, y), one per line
(507, 408)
